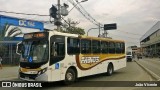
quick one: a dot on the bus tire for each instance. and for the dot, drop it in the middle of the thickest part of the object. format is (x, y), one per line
(70, 76)
(110, 69)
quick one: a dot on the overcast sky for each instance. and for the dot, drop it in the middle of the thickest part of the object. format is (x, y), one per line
(133, 17)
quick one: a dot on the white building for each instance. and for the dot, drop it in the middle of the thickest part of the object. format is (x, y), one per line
(150, 41)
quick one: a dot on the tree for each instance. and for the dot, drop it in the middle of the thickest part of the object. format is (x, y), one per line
(6, 32)
(76, 30)
(70, 27)
(3, 30)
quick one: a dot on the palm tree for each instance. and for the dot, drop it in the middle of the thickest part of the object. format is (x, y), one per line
(3, 31)
(6, 32)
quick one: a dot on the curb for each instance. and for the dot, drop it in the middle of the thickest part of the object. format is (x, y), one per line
(152, 74)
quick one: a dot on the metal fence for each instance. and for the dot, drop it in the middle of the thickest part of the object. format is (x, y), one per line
(8, 53)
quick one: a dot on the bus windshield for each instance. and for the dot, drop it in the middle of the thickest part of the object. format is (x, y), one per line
(35, 51)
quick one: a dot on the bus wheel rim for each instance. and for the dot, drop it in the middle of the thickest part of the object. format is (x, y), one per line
(69, 76)
(110, 70)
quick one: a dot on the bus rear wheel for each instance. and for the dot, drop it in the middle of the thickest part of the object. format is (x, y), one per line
(70, 77)
(110, 70)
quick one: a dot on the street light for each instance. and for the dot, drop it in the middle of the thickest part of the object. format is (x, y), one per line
(90, 30)
(77, 4)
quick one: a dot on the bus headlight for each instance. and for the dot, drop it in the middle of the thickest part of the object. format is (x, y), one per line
(42, 71)
(39, 72)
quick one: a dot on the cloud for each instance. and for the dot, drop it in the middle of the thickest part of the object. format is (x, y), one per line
(132, 16)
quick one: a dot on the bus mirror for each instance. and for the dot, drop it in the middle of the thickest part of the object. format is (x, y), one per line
(19, 48)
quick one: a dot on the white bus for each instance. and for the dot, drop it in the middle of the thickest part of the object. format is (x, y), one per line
(55, 56)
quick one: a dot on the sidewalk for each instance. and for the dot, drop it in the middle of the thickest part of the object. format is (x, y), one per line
(147, 58)
(151, 65)
(9, 73)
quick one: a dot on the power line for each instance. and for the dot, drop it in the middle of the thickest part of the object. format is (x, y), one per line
(130, 33)
(127, 40)
(123, 36)
(47, 22)
(84, 13)
(23, 13)
(81, 9)
(88, 14)
(66, 22)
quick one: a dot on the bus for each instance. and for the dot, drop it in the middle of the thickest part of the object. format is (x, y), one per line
(55, 56)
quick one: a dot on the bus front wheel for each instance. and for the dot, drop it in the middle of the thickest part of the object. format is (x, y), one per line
(70, 76)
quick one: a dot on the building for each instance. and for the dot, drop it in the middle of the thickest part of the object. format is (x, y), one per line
(134, 49)
(11, 32)
(150, 41)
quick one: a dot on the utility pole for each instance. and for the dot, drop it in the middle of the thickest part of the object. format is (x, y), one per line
(59, 15)
(99, 30)
(105, 33)
(56, 12)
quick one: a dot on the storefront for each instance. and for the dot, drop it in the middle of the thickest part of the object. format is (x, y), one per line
(150, 41)
(11, 32)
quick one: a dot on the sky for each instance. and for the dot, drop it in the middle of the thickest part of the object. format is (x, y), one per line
(133, 17)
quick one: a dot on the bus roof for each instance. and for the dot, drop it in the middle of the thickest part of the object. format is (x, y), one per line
(85, 37)
(100, 38)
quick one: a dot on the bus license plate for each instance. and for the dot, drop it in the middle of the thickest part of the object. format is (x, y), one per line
(27, 78)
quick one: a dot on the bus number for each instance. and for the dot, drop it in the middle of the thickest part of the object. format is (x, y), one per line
(89, 60)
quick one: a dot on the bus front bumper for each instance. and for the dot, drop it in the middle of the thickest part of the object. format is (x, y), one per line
(33, 77)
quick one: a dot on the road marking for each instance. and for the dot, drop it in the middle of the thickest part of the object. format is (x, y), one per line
(150, 72)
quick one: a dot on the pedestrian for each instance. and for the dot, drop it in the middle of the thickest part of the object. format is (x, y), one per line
(138, 56)
(0, 62)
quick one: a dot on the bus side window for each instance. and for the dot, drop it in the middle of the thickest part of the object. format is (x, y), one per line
(53, 49)
(112, 47)
(104, 47)
(123, 47)
(57, 46)
(85, 46)
(60, 49)
(95, 46)
(118, 47)
(73, 46)
(57, 49)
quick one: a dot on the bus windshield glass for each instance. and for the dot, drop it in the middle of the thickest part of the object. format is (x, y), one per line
(35, 51)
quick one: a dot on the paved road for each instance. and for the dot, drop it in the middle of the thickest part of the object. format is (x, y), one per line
(133, 72)
(130, 73)
(8, 73)
(152, 64)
